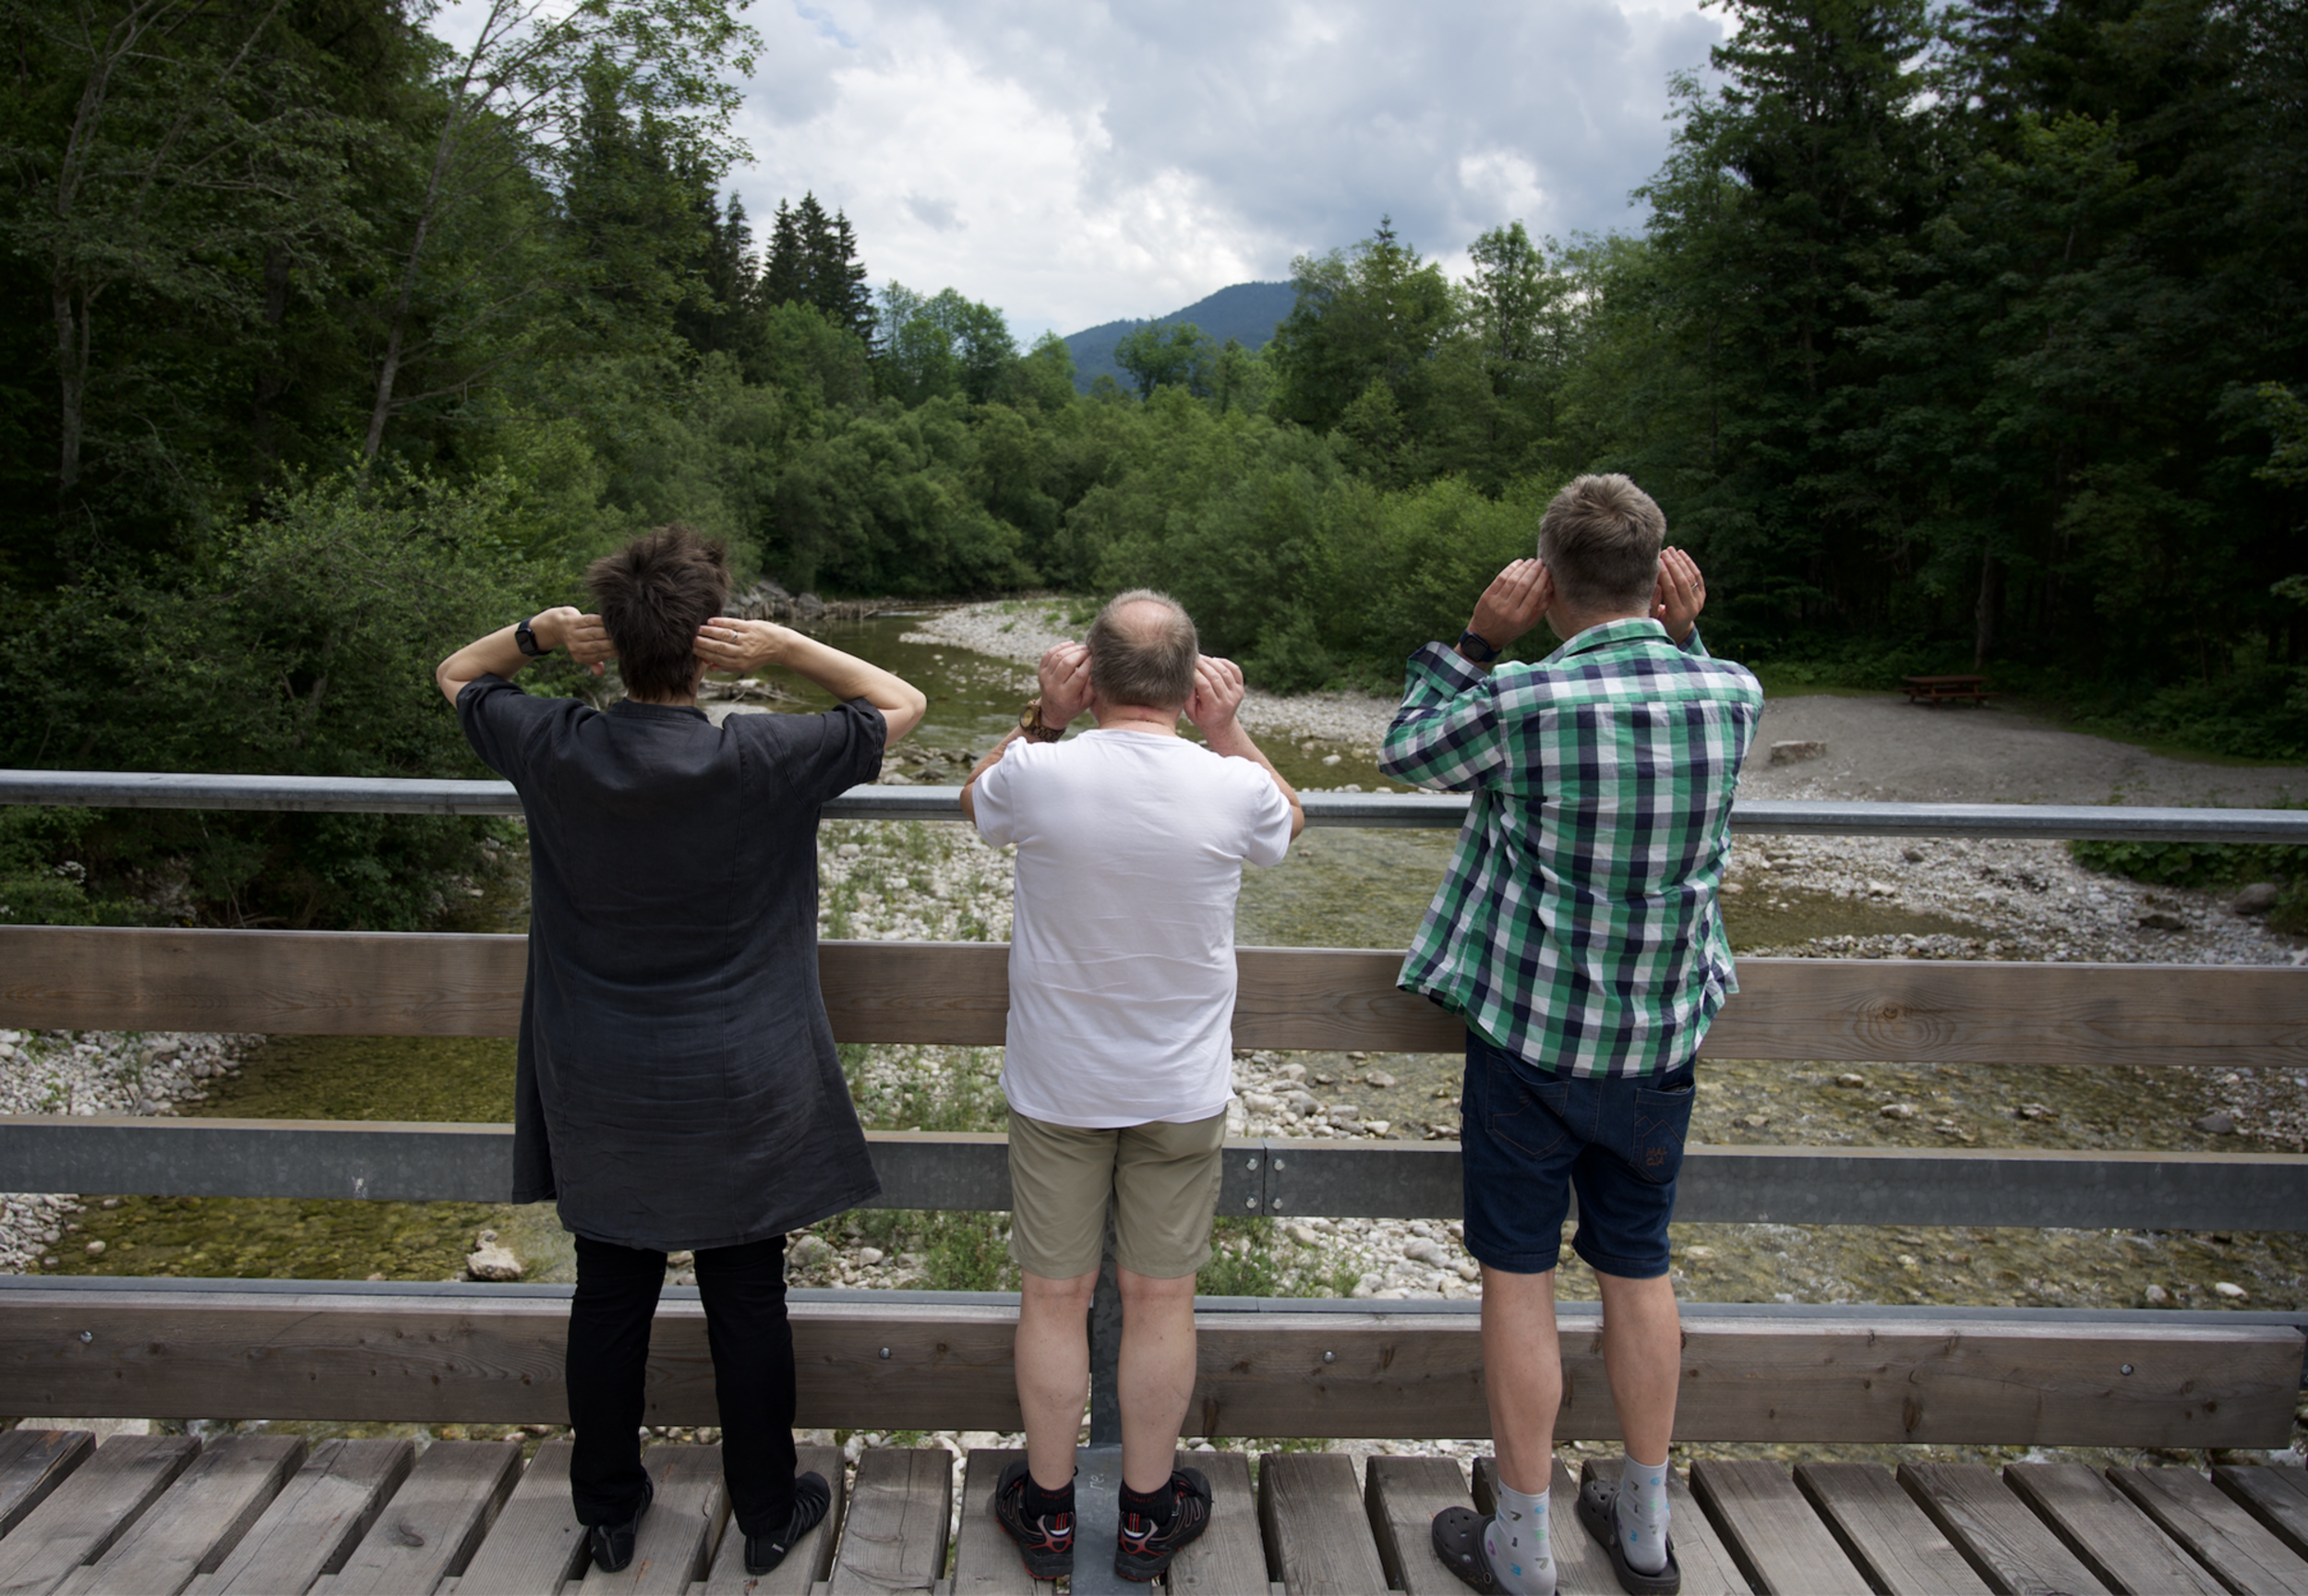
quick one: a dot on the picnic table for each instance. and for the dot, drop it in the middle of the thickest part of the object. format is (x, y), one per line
(1944, 689)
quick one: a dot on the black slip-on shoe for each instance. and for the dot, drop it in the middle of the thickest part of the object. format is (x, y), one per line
(1457, 1533)
(613, 1543)
(812, 1497)
(1598, 1512)
(1045, 1545)
(1143, 1552)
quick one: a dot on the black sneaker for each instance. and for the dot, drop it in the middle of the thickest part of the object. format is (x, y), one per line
(1143, 1552)
(613, 1543)
(812, 1497)
(1046, 1545)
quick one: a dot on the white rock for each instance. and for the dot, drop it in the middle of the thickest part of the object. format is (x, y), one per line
(1426, 1252)
(2228, 1289)
(491, 1262)
(1305, 1235)
(1897, 1111)
(869, 1256)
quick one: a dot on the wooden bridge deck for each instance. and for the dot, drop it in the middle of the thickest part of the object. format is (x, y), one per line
(158, 1515)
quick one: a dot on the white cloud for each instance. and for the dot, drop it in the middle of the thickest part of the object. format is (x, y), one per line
(1077, 161)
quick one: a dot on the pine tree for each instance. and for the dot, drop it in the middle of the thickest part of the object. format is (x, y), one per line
(784, 279)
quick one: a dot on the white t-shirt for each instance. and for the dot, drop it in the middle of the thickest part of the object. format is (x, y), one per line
(1130, 849)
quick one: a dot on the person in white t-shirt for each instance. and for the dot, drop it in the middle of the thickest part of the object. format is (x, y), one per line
(1130, 847)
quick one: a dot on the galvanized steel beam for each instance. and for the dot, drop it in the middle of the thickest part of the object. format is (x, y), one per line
(1272, 1177)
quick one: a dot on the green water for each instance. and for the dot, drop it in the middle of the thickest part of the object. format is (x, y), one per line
(1338, 889)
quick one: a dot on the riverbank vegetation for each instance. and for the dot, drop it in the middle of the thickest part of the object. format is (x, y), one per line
(1956, 338)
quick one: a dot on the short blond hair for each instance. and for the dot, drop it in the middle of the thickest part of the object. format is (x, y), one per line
(1600, 537)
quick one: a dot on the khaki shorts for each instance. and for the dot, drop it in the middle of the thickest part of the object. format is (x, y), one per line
(1163, 1179)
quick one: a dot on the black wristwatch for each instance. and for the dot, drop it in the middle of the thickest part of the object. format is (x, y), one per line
(526, 641)
(1477, 647)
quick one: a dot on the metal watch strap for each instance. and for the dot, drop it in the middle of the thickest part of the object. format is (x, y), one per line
(1030, 723)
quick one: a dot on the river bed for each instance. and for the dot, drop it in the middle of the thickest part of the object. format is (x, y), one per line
(1847, 897)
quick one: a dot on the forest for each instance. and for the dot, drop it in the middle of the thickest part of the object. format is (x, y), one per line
(1957, 337)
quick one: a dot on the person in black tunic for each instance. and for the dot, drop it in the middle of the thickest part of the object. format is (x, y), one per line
(677, 1086)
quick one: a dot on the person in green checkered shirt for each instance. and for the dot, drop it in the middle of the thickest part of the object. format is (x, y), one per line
(1577, 934)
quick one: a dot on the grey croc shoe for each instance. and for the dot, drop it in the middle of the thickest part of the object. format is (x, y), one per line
(1458, 1537)
(1598, 1511)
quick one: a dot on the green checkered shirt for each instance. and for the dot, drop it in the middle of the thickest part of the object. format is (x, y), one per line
(1578, 925)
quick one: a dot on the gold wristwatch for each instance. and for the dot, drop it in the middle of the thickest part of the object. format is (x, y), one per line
(1029, 724)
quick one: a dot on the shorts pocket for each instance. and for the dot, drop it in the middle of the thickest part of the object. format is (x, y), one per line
(1662, 1119)
(1522, 1116)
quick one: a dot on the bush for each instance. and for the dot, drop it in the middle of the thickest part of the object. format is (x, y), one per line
(2209, 864)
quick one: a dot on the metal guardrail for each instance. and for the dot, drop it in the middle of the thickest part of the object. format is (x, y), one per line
(363, 794)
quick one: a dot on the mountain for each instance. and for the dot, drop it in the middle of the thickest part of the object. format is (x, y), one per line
(1247, 310)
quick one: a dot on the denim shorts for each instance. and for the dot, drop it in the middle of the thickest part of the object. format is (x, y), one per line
(1531, 1137)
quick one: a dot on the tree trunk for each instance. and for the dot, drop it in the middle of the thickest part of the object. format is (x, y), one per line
(72, 383)
(1985, 611)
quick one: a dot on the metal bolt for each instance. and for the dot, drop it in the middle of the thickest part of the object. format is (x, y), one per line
(2127, 1368)
(1251, 1164)
(1250, 1202)
(885, 1352)
(90, 1336)
(1329, 1356)
(1278, 1163)
(1276, 1205)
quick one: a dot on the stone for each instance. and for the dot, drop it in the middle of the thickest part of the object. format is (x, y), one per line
(869, 1256)
(1367, 1286)
(1848, 1079)
(96, 1249)
(2162, 921)
(1913, 855)
(1331, 758)
(1380, 1079)
(1342, 1113)
(1790, 752)
(807, 1248)
(1468, 1269)
(1897, 1111)
(2036, 1112)
(1423, 1251)
(1754, 1121)
(492, 1262)
(2256, 899)
(2156, 1296)
(2230, 1290)
(1293, 1071)
(1305, 1235)
(1261, 1103)
(2217, 1125)
(673, 1260)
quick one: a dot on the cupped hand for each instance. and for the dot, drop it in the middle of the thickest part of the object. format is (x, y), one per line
(1216, 696)
(1680, 595)
(1513, 603)
(1064, 676)
(740, 645)
(572, 631)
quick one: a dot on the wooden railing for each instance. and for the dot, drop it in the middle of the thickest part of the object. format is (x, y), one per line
(925, 1360)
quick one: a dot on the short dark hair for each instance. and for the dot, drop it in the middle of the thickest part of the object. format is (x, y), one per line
(1146, 658)
(652, 594)
(1600, 537)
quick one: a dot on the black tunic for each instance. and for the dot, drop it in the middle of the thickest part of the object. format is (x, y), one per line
(678, 1084)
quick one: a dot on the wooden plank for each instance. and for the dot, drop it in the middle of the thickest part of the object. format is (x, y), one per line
(1881, 1530)
(812, 1558)
(678, 1534)
(1401, 1496)
(1770, 1531)
(312, 1526)
(2006, 1544)
(1709, 1569)
(2276, 1497)
(536, 1545)
(90, 1510)
(197, 1521)
(434, 1521)
(1581, 1567)
(893, 1536)
(2239, 1551)
(480, 1359)
(1316, 1533)
(1231, 1556)
(2112, 1538)
(33, 1463)
(985, 1558)
(1894, 1380)
(350, 983)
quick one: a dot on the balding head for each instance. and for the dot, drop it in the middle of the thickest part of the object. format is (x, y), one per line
(1142, 651)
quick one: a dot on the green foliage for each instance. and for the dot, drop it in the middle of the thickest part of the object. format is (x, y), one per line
(2222, 865)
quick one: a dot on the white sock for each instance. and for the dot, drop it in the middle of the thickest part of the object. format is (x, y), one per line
(1641, 1515)
(1515, 1541)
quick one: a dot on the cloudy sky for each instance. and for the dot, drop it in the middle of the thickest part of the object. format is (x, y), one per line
(1073, 161)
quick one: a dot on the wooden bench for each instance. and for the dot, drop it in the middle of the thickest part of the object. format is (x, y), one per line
(1946, 689)
(160, 1514)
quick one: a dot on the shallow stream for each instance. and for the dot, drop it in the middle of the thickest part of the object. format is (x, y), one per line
(1339, 888)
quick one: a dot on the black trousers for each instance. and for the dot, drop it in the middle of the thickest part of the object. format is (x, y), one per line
(744, 1288)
